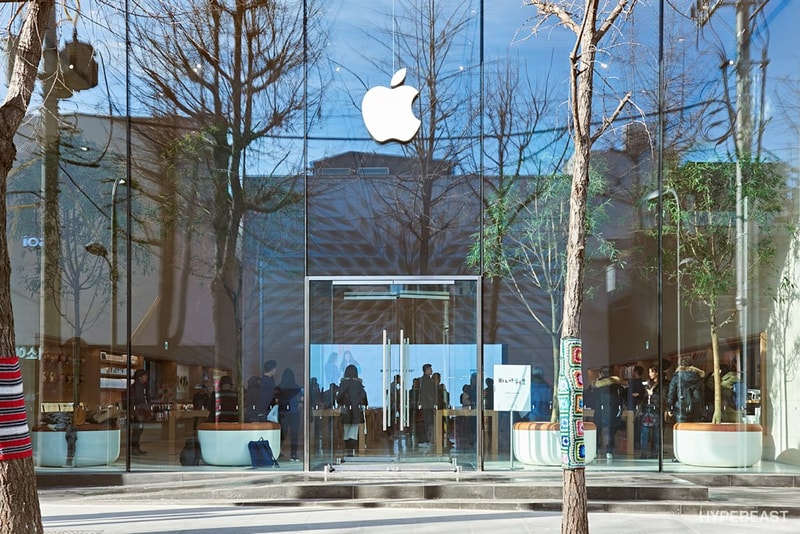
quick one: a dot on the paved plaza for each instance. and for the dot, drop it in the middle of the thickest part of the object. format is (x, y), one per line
(82, 517)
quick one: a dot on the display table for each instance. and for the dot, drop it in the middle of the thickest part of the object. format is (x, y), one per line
(94, 445)
(172, 424)
(226, 443)
(490, 422)
(628, 417)
(335, 430)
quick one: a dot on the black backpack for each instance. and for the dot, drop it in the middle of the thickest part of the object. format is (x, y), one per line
(190, 454)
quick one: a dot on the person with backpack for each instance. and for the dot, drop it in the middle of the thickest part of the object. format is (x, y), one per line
(352, 400)
(685, 395)
(607, 396)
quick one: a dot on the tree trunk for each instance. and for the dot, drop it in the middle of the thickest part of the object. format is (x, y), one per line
(575, 516)
(19, 502)
(717, 416)
(574, 495)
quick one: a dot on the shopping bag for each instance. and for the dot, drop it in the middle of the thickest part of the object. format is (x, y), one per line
(261, 454)
(273, 414)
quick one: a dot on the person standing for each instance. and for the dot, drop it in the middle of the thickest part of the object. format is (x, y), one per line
(289, 395)
(635, 402)
(650, 415)
(227, 401)
(352, 400)
(332, 371)
(541, 397)
(607, 398)
(140, 397)
(347, 359)
(426, 403)
(268, 390)
(685, 396)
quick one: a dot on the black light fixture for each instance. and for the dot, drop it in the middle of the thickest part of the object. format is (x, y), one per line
(78, 65)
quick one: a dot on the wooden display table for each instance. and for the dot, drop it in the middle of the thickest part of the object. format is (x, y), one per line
(490, 422)
(628, 417)
(334, 429)
(172, 424)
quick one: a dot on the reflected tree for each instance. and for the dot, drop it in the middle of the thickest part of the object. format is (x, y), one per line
(233, 71)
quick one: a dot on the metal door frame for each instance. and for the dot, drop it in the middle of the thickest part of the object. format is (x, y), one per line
(388, 280)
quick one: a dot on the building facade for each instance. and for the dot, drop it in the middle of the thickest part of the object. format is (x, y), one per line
(231, 197)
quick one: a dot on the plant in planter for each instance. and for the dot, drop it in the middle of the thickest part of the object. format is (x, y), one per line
(709, 243)
(708, 236)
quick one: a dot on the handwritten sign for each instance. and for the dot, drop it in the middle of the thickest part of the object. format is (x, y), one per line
(512, 388)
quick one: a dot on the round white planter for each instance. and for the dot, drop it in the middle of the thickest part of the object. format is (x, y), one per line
(540, 443)
(226, 443)
(717, 445)
(92, 447)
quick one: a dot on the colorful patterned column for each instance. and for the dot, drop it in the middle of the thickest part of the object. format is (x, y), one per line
(570, 404)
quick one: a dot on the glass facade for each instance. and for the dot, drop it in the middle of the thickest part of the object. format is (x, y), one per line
(205, 190)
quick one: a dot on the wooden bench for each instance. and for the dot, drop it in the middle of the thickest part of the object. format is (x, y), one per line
(226, 443)
(95, 445)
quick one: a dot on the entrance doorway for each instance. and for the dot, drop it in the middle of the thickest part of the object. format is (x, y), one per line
(389, 329)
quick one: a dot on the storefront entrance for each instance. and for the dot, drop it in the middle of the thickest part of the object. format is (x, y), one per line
(389, 328)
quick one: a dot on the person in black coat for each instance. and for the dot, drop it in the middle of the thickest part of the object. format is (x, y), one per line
(352, 400)
(142, 412)
(685, 396)
(607, 397)
(289, 395)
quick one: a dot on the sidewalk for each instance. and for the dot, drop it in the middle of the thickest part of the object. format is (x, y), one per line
(83, 517)
(251, 502)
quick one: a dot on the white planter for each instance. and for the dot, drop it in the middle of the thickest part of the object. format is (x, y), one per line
(540, 443)
(717, 445)
(92, 447)
(226, 443)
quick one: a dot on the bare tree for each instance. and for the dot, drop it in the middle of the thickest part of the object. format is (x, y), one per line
(590, 24)
(514, 111)
(422, 205)
(235, 71)
(19, 502)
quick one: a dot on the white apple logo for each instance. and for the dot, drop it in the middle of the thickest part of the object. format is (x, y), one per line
(387, 111)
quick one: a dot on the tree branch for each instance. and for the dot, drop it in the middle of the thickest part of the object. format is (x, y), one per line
(608, 121)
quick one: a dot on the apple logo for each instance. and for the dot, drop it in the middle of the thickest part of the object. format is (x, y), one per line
(387, 111)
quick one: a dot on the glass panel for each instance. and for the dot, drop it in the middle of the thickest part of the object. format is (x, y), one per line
(388, 330)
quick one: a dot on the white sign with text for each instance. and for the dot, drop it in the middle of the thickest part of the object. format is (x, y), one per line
(512, 388)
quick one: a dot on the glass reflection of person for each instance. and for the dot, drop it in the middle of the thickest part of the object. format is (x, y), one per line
(347, 359)
(332, 371)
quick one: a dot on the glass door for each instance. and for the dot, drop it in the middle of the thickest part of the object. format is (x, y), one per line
(412, 344)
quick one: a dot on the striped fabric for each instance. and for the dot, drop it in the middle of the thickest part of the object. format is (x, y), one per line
(15, 438)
